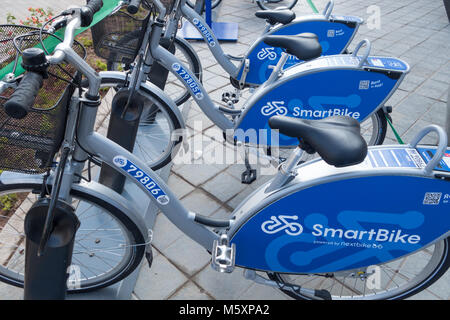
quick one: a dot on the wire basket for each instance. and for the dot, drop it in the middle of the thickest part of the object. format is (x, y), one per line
(118, 37)
(29, 145)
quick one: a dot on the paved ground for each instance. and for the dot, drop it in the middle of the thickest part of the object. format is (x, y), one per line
(416, 31)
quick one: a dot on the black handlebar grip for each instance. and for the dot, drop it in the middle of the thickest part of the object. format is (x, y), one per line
(21, 101)
(95, 5)
(87, 12)
(133, 7)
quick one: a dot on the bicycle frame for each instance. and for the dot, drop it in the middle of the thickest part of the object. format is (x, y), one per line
(363, 91)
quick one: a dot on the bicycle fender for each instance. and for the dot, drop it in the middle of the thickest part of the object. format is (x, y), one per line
(335, 34)
(327, 86)
(341, 222)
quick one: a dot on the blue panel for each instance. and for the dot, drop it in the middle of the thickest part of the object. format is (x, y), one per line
(354, 93)
(333, 36)
(345, 225)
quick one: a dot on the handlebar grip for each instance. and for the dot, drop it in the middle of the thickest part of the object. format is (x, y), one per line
(21, 101)
(133, 7)
(87, 12)
(95, 5)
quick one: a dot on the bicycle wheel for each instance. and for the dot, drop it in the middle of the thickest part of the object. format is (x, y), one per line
(214, 3)
(154, 144)
(398, 279)
(273, 4)
(183, 51)
(373, 130)
(108, 245)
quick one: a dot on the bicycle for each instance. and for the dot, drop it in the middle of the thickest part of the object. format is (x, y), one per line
(362, 94)
(344, 239)
(254, 67)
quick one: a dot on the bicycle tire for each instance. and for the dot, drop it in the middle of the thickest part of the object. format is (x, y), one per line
(135, 239)
(192, 61)
(435, 273)
(172, 122)
(264, 6)
(214, 4)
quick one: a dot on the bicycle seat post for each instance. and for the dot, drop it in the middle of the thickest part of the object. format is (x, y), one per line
(286, 170)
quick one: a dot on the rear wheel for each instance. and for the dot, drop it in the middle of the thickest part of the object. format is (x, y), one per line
(108, 245)
(273, 4)
(398, 279)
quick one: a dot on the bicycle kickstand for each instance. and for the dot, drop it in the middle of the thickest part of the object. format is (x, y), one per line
(249, 175)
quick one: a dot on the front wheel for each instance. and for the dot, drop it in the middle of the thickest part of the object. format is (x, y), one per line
(108, 244)
(273, 4)
(154, 142)
(394, 280)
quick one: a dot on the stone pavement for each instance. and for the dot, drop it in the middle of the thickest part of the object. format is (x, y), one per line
(416, 31)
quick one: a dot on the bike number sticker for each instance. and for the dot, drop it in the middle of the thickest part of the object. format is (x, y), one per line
(190, 82)
(143, 178)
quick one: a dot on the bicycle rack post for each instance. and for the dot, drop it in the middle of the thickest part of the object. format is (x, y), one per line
(46, 276)
(123, 129)
(224, 31)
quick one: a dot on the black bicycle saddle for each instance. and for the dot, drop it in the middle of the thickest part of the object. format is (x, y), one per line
(304, 46)
(336, 139)
(283, 16)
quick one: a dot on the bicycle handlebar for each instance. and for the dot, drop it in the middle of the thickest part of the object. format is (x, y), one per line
(36, 63)
(133, 6)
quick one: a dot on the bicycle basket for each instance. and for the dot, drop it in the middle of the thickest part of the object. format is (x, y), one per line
(117, 38)
(29, 145)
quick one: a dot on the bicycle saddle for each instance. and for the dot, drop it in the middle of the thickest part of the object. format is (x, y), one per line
(283, 16)
(336, 139)
(304, 46)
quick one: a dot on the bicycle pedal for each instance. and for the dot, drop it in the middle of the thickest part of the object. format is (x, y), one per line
(230, 98)
(223, 256)
(248, 176)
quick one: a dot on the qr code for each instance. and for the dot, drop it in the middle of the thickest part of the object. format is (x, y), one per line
(364, 85)
(433, 198)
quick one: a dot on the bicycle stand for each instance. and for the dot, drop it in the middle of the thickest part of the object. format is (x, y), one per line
(46, 275)
(224, 31)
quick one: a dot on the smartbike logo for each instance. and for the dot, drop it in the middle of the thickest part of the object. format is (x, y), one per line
(291, 226)
(278, 108)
